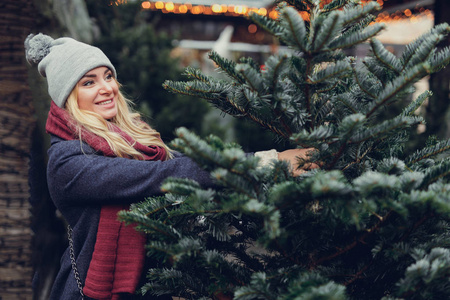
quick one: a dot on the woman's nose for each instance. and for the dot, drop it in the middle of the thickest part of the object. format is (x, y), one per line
(105, 87)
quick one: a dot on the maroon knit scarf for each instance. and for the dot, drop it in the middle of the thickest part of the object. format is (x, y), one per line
(118, 258)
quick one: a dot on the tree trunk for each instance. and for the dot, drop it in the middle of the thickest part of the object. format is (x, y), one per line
(437, 117)
(17, 123)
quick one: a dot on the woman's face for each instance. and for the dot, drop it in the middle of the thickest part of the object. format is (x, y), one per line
(98, 92)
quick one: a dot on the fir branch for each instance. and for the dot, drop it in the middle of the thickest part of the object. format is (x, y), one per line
(331, 71)
(327, 31)
(350, 124)
(327, 89)
(194, 73)
(209, 91)
(269, 126)
(228, 66)
(428, 152)
(267, 24)
(300, 5)
(284, 123)
(148, 225)
(385, 57)
(411, 48)
(159, 250)
(359, 274)
(425, 50)
(344, 101)
(199, 149)
(360, 26)
(379, 131)
(322, 111)
(250, 62)
(222, 175)
(359, 158)
(182, 283)
(414, 105)
(257, 289)
(334, 5)
(440, 60)
(394, 87)
(426, 278)
(416, 225)
(354, 14)
(308, 92)
(295, 29)
(252, 78)
(435, 173)
(361, 240)
(336, 156)
(280, 117)
(158, 209)
(275, 67)
(376, 70)
(353, 38)
(318, 134)
(346, 129)
(180, 186)
(363, 88)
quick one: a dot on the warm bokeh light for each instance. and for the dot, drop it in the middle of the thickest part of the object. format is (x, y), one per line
(304, 15)
(240, 9)
(118, 2)
(183, 9)
(273, 14)
(196, 10)
(207, 10)
(407, 14)
(412, 14)
(216, 8)
(169, 6)
(252, 28)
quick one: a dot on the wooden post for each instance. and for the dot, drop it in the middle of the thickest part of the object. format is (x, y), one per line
(16, 125)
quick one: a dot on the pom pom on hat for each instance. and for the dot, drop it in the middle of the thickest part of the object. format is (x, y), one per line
(63, 62)
(37, 47)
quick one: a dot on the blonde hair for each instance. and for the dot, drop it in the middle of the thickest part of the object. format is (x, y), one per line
(126, 119)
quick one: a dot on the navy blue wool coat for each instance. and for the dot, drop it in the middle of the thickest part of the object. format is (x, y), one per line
(80, 181)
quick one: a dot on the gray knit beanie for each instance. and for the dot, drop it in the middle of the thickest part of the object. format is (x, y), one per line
(63, 61)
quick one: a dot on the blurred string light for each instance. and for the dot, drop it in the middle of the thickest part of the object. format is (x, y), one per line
(213, 9)
(413, 14)
(118, 2)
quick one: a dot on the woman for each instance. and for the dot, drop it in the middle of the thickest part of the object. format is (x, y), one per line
(102, 158)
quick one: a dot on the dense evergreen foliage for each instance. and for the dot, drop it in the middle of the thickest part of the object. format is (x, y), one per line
(372, 223)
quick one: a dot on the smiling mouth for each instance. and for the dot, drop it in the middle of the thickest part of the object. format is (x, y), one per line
(105, 102)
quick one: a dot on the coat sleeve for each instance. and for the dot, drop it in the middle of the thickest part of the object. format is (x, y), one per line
(77, 176)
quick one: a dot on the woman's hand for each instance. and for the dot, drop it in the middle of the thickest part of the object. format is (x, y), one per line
(295, 156)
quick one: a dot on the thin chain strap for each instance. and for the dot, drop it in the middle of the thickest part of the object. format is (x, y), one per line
(74, 263)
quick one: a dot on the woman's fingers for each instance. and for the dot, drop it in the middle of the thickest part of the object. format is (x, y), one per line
(292, 156)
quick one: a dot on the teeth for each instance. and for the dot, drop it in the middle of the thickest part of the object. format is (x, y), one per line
(105, 102)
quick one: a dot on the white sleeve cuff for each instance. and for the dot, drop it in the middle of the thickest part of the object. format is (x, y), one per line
(266, 157)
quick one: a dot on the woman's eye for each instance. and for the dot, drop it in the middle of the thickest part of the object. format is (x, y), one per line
(87, 83)
(109, 76)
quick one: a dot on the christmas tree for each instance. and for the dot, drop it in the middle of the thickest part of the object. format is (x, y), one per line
(371, 223)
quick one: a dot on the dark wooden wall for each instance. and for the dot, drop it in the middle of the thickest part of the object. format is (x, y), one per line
(16, 125)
